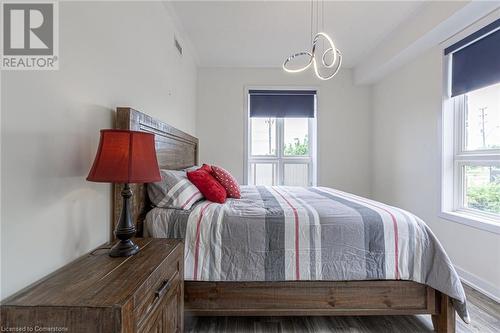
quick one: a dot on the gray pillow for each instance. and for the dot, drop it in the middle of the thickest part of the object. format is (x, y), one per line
(193, 168)
(173, 191)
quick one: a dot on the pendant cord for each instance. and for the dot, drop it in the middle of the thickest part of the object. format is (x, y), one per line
(311, 36)
(323, 15)
(323, 22)
(317, 16)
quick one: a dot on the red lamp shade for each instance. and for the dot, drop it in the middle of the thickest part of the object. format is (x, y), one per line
(125, 157)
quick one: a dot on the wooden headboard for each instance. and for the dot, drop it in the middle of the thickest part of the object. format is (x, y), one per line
(175, 150)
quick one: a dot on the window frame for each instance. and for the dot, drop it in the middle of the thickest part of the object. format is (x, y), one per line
(264, 161)
(454, 158)
(280, 159)
(249, 142)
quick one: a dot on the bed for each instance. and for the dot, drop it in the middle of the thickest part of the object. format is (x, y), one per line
(296, 251)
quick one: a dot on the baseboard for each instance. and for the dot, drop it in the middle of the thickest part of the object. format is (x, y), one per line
(479, 284)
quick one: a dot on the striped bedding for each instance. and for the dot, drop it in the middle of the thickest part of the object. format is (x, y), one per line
(315, 233)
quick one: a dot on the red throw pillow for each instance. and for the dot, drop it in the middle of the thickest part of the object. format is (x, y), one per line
(207, 168)
(227, 181)
(208, 185)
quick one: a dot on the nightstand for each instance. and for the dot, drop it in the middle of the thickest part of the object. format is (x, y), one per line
(96, 293)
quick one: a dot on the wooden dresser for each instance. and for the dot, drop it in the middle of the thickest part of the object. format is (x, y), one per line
(99, 294)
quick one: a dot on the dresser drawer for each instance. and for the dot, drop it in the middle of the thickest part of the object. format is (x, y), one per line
(167, 316)
(153, 291)
(173, 311)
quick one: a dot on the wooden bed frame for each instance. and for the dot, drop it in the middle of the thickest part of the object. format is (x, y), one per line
(178, 150)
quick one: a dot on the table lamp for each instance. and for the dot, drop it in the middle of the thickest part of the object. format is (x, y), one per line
(125, 157)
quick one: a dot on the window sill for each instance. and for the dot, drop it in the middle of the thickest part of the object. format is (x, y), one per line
(474, 221)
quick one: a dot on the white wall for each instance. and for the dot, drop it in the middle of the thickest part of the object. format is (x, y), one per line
(50, 129)
(344, 122)
(406, 164)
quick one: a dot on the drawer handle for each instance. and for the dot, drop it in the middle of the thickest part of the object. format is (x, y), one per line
(163, 289)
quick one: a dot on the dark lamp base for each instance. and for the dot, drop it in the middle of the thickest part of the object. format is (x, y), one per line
(124, 248)
(125, 229)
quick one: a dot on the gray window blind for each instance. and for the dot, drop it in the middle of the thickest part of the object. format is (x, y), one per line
(282, 103)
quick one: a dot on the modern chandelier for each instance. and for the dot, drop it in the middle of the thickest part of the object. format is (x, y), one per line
(331, 58)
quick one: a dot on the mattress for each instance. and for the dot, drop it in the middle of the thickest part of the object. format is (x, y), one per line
(306, 234)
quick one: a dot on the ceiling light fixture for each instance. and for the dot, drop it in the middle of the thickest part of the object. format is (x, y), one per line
(331, 58)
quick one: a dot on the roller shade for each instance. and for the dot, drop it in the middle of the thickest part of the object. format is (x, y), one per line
(282, 103)
(476, 60)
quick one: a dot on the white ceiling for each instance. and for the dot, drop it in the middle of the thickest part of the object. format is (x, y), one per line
(263, 33)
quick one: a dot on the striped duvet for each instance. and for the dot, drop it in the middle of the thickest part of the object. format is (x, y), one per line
(316, 233)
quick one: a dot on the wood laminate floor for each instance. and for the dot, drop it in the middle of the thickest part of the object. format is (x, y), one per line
(485, 314)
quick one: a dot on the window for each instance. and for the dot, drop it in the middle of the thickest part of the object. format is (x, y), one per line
(477, 156)
(471, 131)
(281, 137)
